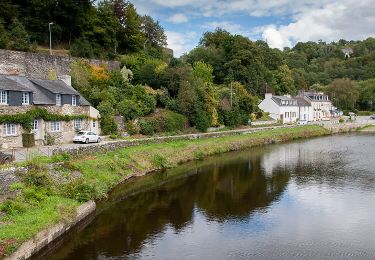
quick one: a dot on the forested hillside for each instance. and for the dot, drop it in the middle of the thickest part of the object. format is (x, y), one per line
(219, 82)
(87, 28)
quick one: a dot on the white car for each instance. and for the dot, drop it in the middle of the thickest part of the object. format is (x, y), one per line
(86, 137)
(302, 122)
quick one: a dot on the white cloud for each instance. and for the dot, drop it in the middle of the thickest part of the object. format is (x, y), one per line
(181, 43)
(349, 19)
(231, 27)
(178, 18)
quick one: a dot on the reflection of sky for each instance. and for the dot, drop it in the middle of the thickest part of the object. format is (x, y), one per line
(315, 219)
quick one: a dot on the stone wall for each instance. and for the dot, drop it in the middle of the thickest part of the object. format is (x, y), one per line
(36, 65)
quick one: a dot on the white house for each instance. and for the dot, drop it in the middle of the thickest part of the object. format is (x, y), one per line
(283, 108)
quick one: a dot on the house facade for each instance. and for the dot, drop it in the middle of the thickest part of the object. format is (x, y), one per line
(283, 108)
(306, 106)
(20, 94)
(320, 103)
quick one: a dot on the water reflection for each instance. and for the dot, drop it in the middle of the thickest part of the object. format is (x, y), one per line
(283, 201)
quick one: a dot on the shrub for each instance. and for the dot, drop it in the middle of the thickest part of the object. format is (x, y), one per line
(341, 120)
(160, 161)
(259, 114)
(132, 128)
(49, 139)
(163, 121)
(79, 190)
(146, 127)
(108, 125)
(28, 140)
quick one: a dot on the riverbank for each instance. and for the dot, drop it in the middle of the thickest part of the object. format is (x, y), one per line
(52, 188)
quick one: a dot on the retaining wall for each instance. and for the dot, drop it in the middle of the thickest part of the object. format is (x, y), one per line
(37, 65)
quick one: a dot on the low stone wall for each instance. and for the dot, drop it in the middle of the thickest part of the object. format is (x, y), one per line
(45, 237)
(36, 65)
(93, 149)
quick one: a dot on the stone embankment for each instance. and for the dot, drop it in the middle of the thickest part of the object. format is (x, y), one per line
(45, 237)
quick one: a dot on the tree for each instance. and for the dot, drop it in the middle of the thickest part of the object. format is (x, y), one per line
(366, 94)
(3, 36)
(18, 37)
(203, 71)
(343, 93)
(284, 81)
(154, 33)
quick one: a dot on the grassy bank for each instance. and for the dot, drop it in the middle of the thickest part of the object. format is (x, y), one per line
(43, 200)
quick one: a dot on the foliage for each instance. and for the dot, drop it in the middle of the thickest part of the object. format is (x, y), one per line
(4, 39)
(19, 39)
(28, 140)
(26, 119)
(162, 121)
(344, 93)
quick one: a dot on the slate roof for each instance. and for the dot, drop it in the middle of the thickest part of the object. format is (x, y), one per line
(39, 97)
(40, 89)
(278, 100)
(302, 102)
(55, 86)
(8, 84)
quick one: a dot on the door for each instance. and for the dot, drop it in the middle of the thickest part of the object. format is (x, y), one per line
(94, 126)
(37, 129)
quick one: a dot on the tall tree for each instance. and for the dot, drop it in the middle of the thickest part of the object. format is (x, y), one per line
(344, 93)
(18, 37)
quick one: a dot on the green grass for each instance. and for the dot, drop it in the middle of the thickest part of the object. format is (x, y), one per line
(41, 202)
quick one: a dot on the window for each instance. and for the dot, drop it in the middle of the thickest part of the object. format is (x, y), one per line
(94, 124)
(58, 100)
(55, 126)
(74, 100)
(25, 98)
(9, 129)
(3, 97)
(78, 124)
(35, 125)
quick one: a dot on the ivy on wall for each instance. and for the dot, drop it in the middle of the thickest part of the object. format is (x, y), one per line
(26, 119)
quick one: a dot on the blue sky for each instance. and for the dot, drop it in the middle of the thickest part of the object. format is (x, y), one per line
(280, 22)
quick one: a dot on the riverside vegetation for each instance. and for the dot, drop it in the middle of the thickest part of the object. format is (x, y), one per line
(53, 188)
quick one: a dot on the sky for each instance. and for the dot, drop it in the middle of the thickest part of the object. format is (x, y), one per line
(281, 23)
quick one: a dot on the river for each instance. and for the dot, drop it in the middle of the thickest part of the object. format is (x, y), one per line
(311, 199)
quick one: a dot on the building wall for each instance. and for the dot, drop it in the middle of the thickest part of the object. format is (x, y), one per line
(268, 105)
(275, 111)
(321, 110)
(67, 130)
(36, 65)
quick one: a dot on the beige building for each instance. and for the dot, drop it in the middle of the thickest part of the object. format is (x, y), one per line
(20, 94)
(321, 105)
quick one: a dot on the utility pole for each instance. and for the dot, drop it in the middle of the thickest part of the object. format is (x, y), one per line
(231, 95)
(50, 38)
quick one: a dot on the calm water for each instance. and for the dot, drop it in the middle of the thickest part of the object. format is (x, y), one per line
(312, 199)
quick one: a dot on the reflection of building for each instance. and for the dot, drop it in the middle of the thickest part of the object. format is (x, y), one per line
(307, 106)
(57, 97)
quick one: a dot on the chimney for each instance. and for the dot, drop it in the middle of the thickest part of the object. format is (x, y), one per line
(66, 79)
(268, 96)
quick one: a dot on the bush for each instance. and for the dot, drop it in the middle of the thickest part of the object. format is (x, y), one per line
(146, 127)
(259, 114)
(163, 121)
(28, 140)
(132, 128)
(341, 120)
(49, 139)
(79, 190)
(108, 125)
(82, 48)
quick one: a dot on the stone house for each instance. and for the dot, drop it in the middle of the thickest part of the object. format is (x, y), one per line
(19, 94)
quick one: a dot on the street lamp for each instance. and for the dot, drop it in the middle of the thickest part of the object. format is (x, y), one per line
(50, 38)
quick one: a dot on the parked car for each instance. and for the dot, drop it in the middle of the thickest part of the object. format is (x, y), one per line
(86, 137)
(372, 116)
(5, 158)
(302, 122)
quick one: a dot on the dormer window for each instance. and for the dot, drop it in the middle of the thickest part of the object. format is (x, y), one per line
(74, 100)
(58, 99)
(25, 98)
(3, 97)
